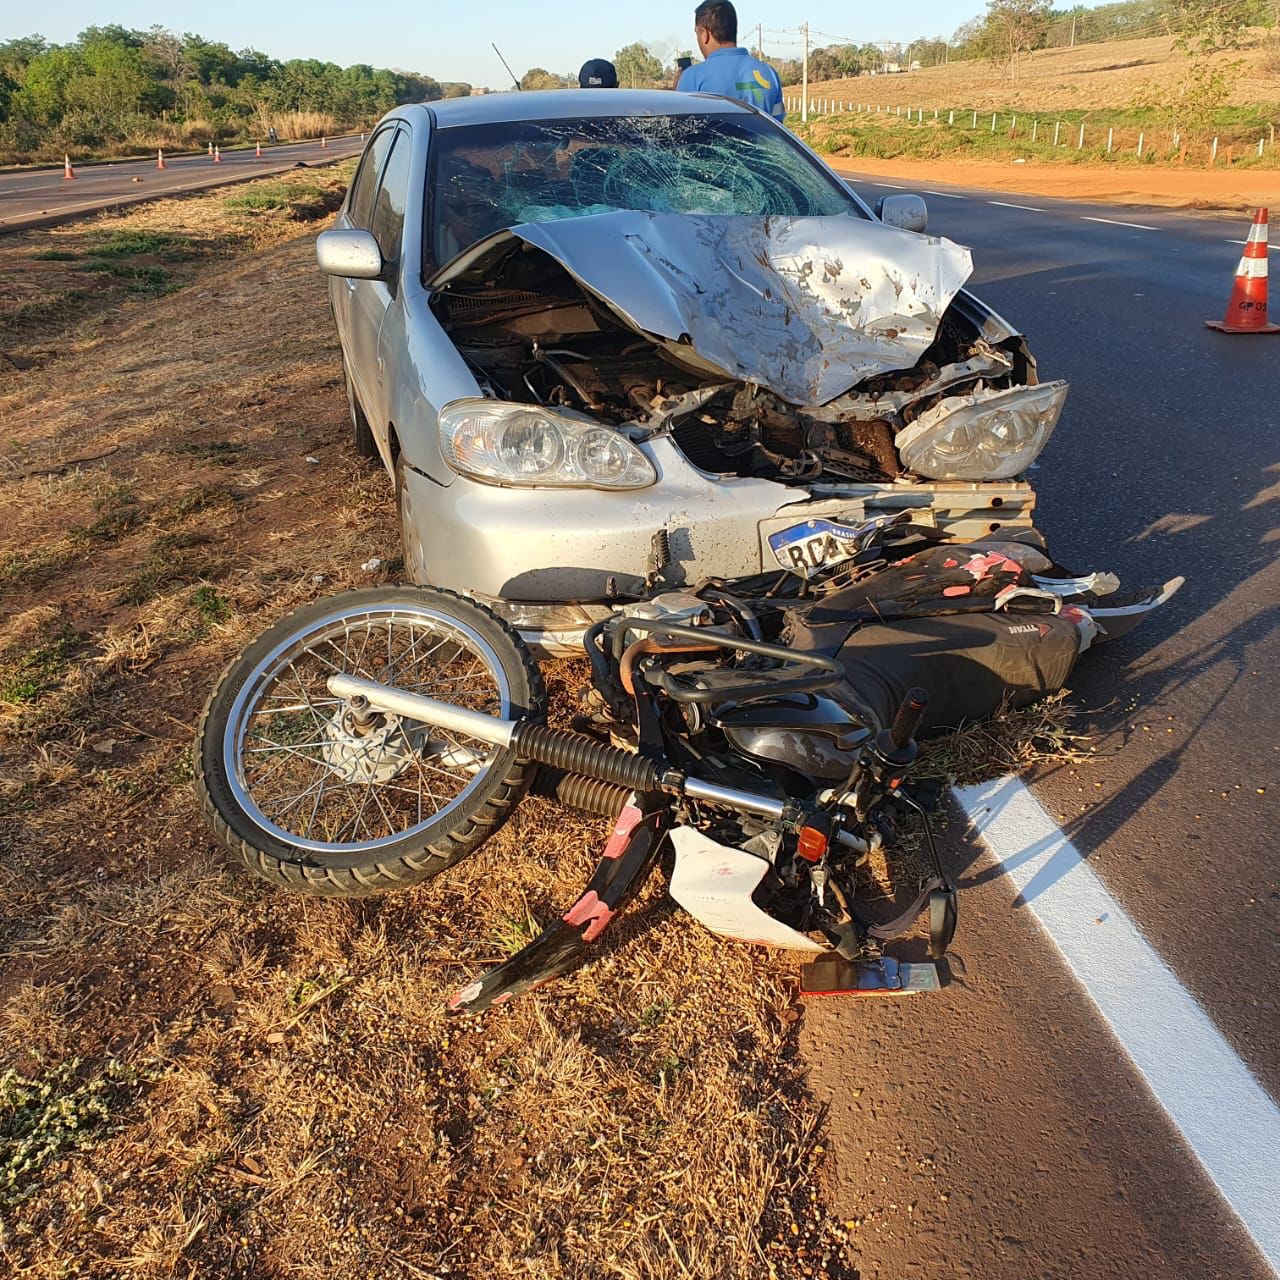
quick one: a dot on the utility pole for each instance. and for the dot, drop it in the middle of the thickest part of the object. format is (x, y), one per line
(804, 77)
(760, 41)
(1073, 31)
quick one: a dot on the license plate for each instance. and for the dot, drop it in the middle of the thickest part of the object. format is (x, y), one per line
(819, 544)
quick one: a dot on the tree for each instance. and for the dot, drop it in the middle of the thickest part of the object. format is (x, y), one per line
(1012, 28)
(540, 78)
(637, 67)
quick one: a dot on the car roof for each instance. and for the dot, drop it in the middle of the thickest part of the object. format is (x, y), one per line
(566, 104)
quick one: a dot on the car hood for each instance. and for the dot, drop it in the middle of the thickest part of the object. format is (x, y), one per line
(806, 307)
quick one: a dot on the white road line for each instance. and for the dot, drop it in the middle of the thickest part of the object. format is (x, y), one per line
(1004, 204)
(1271, 247)
(1112, 222)
(946, 195)
(1228, 1120)
(893, 186)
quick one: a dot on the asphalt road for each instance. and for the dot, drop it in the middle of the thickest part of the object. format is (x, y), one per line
(1166, 461)
(39, 197)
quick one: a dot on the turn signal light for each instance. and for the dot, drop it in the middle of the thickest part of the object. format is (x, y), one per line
(811, 844)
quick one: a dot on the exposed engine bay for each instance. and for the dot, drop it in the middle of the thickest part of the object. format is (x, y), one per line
(533, 333)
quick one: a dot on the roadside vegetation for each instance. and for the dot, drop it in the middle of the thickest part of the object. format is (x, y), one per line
(115, 91)
(1203, 92)
(1237, 137)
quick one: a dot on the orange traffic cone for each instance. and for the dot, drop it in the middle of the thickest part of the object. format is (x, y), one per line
(324, 142)
(160, 164)
(1247, 307)
(211, 151)
(67, 170)
(257, 151)
(217, 155)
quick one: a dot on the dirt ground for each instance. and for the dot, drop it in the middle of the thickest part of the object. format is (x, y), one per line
(1090, 76)
(200, 1075)
(1215, 191)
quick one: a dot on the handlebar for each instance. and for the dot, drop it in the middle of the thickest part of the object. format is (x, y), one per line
(907, 722)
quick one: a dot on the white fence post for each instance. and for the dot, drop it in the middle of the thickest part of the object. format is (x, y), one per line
(1080, 141)
(1056, 127)
(1260, 142)
(1213, 152)
(1142, 137)
(993, 122)
(1109, 132)
(951, 117)
(1035, 126)
(975, 119)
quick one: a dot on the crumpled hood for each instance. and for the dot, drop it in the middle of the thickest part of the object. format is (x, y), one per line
(807, 307)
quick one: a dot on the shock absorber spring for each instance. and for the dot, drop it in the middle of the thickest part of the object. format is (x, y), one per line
(576, 754)
(572, 789)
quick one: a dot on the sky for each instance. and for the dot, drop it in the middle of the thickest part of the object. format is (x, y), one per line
(451, 41)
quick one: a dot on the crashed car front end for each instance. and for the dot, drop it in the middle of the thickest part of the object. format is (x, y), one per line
(723, 381)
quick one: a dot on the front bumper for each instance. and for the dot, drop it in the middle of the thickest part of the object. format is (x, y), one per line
(549, 560)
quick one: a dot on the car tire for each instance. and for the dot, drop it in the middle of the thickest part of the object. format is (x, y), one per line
(415, 563)
(362, 440)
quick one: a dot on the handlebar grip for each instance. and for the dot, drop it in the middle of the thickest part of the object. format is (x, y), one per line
(907, 721)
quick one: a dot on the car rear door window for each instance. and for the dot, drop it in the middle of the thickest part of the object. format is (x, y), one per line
(360, 202)
(388, 209)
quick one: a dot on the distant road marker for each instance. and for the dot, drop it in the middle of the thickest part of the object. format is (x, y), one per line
(1113, 222)
(1231, 1123)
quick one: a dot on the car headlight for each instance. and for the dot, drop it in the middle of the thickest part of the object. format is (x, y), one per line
(986, 435)
(530, 445)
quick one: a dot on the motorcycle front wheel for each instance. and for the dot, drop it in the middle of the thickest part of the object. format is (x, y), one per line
(310, 799)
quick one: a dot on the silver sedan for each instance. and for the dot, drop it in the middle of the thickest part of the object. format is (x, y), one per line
(603, 341)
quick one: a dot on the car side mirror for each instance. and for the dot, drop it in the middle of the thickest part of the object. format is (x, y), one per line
(908, 212)
(352, 254)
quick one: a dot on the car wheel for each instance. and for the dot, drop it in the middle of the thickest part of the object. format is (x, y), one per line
(415, 561)
(361, 433)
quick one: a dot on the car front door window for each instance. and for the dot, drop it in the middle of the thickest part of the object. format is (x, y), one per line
(387, 223)
(360, 202)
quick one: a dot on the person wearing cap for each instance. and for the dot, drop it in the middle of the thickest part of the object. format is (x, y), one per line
(728, 69)
(598, 73)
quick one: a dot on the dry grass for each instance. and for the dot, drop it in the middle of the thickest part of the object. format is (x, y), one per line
(1087, 77)
(267, 1084)
(190, 134)
(302, 1106)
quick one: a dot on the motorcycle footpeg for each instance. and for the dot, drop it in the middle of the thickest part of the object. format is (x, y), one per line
(835, 976)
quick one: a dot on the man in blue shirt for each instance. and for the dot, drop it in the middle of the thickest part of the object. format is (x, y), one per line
(727, 69)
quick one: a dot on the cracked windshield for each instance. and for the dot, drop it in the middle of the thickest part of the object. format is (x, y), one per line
(488, 177)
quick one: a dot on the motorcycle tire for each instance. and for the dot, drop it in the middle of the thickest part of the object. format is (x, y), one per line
(309, 801)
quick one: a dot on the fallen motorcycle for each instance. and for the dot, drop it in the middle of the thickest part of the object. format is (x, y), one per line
(763, 730)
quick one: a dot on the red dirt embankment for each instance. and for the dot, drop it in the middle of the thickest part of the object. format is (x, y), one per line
(1221, 189)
